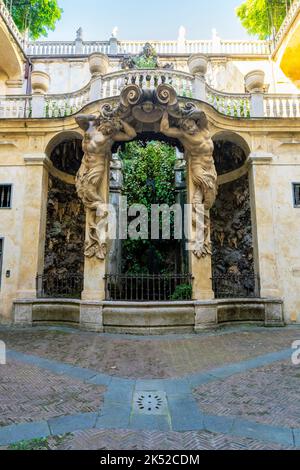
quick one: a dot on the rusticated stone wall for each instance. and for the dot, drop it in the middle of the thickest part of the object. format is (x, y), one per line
(65, 230)
(232, 240)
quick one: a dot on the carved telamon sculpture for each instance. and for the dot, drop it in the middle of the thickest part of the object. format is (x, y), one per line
(100, 134)
(194, 134)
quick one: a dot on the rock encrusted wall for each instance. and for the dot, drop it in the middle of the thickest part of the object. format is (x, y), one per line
(65, 230)
(232, 238)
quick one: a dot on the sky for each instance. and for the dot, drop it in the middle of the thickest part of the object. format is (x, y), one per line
(146, 20)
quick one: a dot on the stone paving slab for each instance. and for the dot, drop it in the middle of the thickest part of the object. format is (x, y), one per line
(23, 432)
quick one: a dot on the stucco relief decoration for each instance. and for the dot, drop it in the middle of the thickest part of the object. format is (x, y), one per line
(117, 122)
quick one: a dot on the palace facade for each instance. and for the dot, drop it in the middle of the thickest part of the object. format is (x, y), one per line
(248, 92)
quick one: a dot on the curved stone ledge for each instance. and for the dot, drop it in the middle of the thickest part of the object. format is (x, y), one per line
(149, 318)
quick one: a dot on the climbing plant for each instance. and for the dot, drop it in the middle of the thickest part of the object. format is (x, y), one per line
(149, 178)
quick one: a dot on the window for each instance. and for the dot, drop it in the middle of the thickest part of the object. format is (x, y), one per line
(296, 187)
(5, 196)
(1, 256)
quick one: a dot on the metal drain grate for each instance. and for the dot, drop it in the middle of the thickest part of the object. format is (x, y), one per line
(150, 403)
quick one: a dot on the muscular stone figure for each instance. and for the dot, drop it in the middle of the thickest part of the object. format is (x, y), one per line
(194, 135)
(97, 143)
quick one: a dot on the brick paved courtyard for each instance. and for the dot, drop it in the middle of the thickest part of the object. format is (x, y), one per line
(234, 388)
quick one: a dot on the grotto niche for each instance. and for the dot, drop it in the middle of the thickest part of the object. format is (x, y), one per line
(65, 233)
(231, 228)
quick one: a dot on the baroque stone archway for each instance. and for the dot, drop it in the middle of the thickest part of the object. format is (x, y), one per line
(140, 110)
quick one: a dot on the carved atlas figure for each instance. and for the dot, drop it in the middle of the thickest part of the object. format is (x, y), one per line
(194, 134)
(100, 134)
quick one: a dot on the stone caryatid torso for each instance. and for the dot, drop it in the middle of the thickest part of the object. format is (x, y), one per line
(194, 134)
(100, 134)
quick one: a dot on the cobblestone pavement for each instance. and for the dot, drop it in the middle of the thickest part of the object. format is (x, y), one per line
(268, 395)
(231, 389)
(147, 357)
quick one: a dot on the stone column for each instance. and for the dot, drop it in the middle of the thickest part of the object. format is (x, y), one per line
(34, 229)
(260, 180)
(94, 268)
(200, 268)
(93, 295)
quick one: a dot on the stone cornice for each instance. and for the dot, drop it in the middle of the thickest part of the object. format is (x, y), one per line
(38, 159)
(260, 158)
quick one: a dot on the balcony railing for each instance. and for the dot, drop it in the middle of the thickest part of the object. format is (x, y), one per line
(182, 82)
(282, 106)
(65, 105)
(233, 105)
(15, 106)
(67, 48)
(288, 21)
(5, 14)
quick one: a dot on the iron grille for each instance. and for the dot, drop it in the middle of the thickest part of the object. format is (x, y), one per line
(66, 286)
(296, 187)
(148, 287)
(230, 286)
(5, 196)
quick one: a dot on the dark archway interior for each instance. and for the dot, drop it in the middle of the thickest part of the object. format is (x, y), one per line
(67, 156)
(228, 156)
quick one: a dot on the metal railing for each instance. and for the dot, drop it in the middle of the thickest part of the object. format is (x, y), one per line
(65, 286)
(148, 287)
(230, 286)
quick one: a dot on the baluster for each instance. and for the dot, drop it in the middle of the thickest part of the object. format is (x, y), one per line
(288, 107)
(281, 113)
(275, 114)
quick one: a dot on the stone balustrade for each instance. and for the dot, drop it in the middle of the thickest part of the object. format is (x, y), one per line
(244, 48)
(110, 85)
(234, 105)
(66, 104)
(5, 14)
(15, 106)
(289, 19)
(282, 106)
(182, 82)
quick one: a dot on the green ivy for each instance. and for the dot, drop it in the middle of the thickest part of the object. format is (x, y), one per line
(149, 178)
